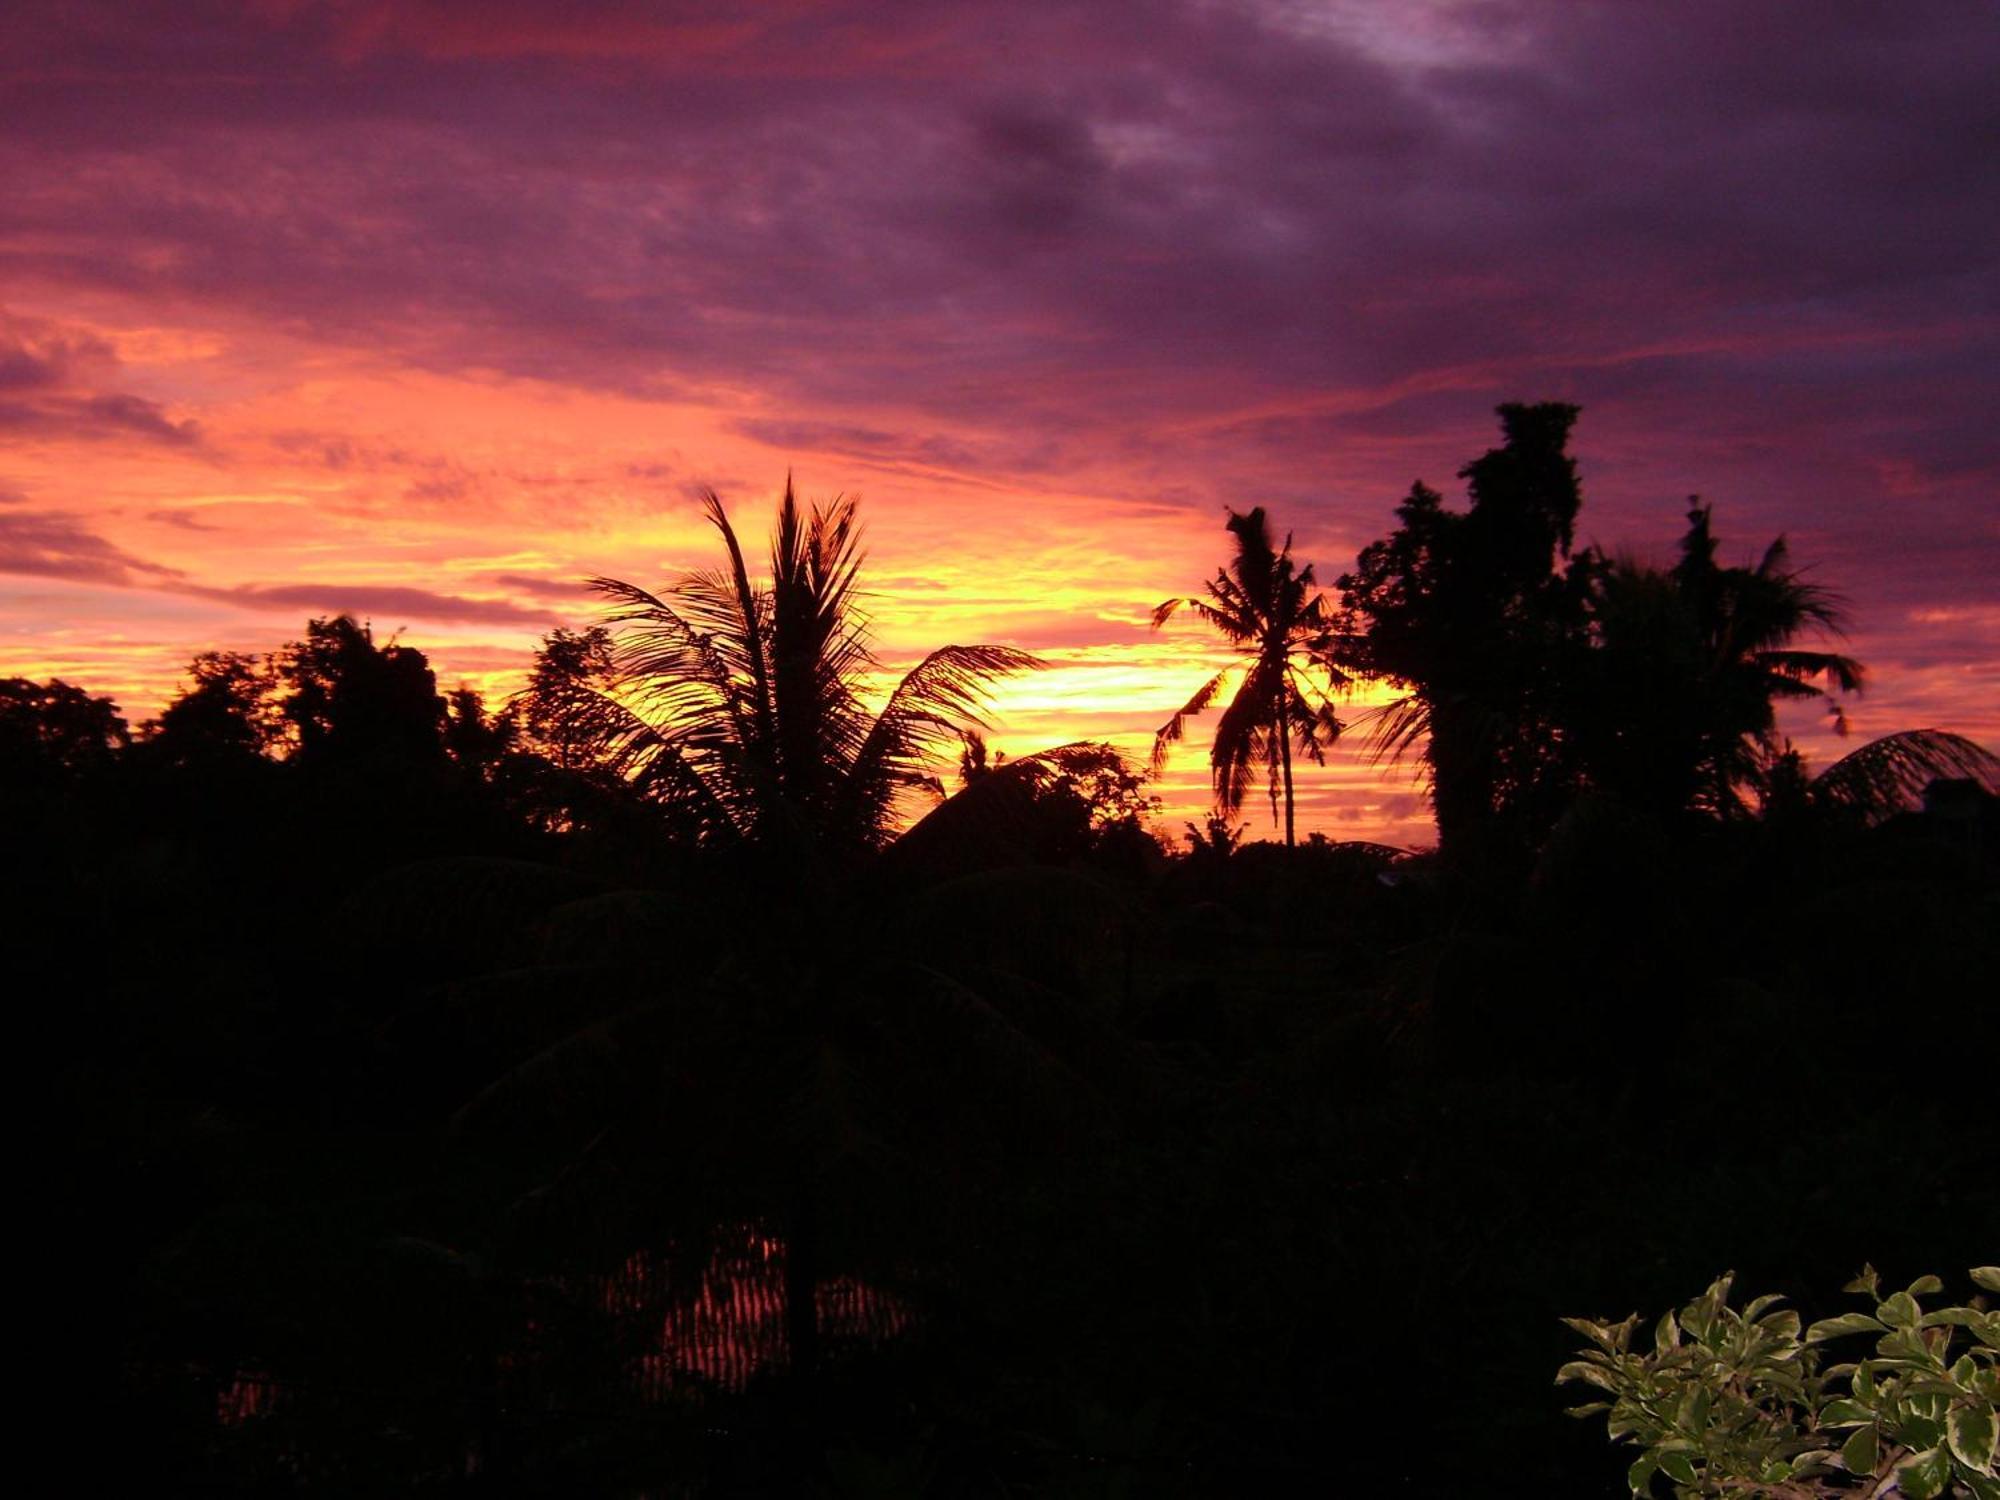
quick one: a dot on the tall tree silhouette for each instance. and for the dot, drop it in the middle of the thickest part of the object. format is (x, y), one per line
(1470, 611)
(741, 706)
(1677, 713)
(1267, 607)
(1750, 620)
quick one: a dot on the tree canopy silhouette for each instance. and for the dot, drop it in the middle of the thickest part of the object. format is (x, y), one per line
(225, 712)
(1266, 606)
(1470, 612)
(350, 700)
(742, 706)
(55, 728)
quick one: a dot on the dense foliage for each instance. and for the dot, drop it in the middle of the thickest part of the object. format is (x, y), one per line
(455, 1106)
(1733, 1402)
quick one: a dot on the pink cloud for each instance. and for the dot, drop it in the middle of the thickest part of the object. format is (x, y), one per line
(1046, 278)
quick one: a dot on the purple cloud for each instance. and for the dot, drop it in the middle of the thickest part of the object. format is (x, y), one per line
(47, 381)
(1174, 254)
(370, 600)
(50, 544)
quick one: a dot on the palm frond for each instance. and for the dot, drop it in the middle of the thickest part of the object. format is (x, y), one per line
(1314, 726)
(750, 611)
(1395, 728)
(936, 701)
(1886, 776)
(1844, 672)
(1244, 740)
(1170, 733)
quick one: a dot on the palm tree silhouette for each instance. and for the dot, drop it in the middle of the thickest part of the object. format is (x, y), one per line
(1750, 618)
(1270, 611)
(1680, 715)
(740, 707)
(791, 1042)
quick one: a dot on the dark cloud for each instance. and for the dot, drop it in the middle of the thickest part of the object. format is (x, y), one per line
(50, 387)
(869, 444)
(95, 417)
(571, 590)
(595, 200)
(363, 601)
(1295, 251)
(184, 520)
(50, 544)
(440, 488)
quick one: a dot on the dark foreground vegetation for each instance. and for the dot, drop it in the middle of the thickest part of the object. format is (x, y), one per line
(598, 1098)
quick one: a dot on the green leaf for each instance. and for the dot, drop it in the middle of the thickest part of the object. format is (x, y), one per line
(1678, 1466)
(1869, 1282)
(1982, 1488)
(1925, 1286)
(1931, 1385)
(1598, 1333)
(1987, 1277)
(1640, 1475)
(1957, 1317)
(1833, 1328)
(1904, 1345)
(1859, 1453)
(1668, 1334)
(1589, 1374)
(1844, 1413)
(1970, 1432)
(1924, 1476)
(1587, 1411)
(1898, 1310)
(1784, 1325)
(1921, 1433)
(1694, 1410)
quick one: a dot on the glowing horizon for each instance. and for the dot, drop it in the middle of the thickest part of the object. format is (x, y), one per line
(429, 312)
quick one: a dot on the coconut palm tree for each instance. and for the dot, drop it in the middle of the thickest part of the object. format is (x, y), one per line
(1750, 620)
(1266, 607)
(779, 1076)
(740, 706)
(1679, 713)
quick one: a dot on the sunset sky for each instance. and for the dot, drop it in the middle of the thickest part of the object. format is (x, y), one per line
(429, 310)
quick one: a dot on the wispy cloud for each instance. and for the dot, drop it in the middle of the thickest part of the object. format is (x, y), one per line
(1053, 283)
(49, 390)
(50, 544)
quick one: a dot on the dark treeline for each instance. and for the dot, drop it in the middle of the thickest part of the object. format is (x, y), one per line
(613, 1091)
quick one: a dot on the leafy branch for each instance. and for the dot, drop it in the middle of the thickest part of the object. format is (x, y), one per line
(1737, 1402)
